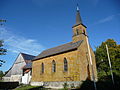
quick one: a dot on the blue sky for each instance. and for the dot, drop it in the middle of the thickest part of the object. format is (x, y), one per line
(35, 25)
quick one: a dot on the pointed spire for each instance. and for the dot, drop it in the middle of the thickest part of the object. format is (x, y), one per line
(78, 17)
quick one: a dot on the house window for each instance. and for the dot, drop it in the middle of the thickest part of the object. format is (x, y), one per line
(42, 68)
(65, 65)
(53, 66)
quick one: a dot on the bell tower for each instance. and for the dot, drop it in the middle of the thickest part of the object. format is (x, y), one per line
(79, 29)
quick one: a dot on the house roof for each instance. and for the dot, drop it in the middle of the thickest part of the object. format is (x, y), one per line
(28, 65)
(27, 56)
(59, 49)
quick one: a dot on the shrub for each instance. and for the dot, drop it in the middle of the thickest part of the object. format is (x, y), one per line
(65, 85)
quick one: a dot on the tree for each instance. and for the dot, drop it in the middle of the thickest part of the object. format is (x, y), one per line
(102, 59)
(1, 74)
(2, 52)
(2, 21)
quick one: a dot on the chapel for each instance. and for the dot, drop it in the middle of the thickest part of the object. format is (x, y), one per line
(68, 63)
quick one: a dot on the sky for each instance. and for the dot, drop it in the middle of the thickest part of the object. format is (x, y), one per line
(35, 25)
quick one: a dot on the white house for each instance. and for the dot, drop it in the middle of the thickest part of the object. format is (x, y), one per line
(15, 73)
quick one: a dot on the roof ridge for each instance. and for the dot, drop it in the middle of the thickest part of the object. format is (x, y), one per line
(26, 54)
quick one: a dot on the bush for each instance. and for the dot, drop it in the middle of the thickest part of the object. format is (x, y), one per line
(8, 85)
(65, 85)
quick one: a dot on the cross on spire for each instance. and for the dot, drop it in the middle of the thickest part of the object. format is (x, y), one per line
(77, 7)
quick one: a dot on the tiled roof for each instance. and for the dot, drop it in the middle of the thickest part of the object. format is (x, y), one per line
(59, 49)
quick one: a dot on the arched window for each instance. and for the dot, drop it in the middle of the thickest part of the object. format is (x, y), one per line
(42, 68)
(53, 66)
(65, 65)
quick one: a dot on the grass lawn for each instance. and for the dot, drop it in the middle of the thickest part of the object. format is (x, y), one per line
(1, 80)
(28, 87)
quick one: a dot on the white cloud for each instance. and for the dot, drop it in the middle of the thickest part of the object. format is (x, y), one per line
(107, 19)
(16, 44)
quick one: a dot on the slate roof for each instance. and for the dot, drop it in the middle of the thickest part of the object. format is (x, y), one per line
(27, 56)
(28, 65)
(59, 49)
(78, 18)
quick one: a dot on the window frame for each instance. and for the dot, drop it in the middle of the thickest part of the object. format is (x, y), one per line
(65, 65)
(53, 66)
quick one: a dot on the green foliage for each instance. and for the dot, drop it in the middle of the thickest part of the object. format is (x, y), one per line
(2, 52)
(102, 59)
(87, 85)
(29, 87)
(1, 73)
(65, 85)
(72, 85)
(104, 83)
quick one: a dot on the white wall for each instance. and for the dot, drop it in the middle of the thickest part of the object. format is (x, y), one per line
(26, 78)
(16, 78)
(13, 78)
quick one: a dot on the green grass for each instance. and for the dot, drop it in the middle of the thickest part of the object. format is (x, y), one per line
(63, 89)
(1, 80)
(27, 87)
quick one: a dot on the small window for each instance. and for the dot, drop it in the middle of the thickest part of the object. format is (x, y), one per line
(65, 65)
(77, 32)
(84, 32)
(53, 66)
(42, 68)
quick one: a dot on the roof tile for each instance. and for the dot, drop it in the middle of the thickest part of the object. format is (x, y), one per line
(59, 49)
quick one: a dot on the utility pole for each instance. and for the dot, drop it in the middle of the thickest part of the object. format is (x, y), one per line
(110, 64)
